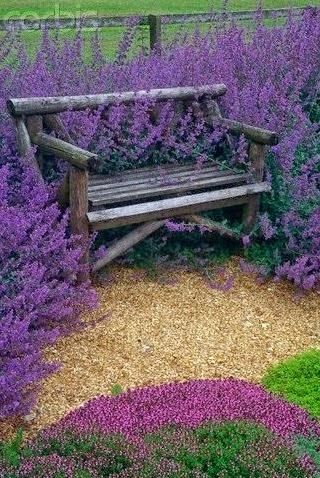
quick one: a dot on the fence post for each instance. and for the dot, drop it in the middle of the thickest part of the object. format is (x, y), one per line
(155, 32)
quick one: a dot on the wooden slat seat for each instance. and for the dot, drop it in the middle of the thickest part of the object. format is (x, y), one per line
(172, 207)
(158, 182)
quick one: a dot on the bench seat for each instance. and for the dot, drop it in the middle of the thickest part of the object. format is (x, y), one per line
(172, 207)
(160, 182)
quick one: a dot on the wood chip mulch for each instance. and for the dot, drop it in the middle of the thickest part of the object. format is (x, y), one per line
(180, 330)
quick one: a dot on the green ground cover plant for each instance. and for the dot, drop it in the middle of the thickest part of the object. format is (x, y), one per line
(298, 380)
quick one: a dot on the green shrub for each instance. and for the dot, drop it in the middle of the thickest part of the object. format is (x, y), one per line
(298, 380)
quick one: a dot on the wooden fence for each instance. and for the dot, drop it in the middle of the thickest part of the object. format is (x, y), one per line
(154, 22)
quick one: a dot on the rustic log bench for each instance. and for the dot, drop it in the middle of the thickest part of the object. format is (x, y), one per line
(140, 196)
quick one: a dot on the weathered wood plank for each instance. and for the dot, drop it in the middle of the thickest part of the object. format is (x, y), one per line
(134, 176)
(154, 181)
(258, 135)
(173, 207)
(94, 22)
(257, 154)
(126, 242)
(137, 193)
(76, 156)
(78, 211)
(58, 104)
(185, 18)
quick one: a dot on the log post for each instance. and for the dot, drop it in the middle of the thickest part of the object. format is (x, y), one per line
(63, 193)
(212, 111)
(58, 104)
(78, 211)
(257, 154)
(24, 143)
(54, 123)
(155, 32)
(35, 126)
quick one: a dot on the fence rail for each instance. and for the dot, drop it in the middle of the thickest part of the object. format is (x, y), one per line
(154, 22)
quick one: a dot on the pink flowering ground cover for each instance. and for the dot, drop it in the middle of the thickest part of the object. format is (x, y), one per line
(211, 428)
(190, 404)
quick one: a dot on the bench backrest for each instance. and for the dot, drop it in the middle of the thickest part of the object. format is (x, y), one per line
(58, 104)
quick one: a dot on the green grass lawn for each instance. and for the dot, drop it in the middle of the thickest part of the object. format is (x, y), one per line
(110, 36)
(125, 7)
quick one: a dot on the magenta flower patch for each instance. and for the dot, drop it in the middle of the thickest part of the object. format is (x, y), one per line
(189, 404)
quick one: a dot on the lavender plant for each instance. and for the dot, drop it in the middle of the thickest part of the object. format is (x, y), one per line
(40, 298)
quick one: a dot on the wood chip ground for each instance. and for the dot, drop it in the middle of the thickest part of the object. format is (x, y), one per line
(175, 331)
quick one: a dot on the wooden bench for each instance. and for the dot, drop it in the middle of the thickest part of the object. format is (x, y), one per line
(142, 196)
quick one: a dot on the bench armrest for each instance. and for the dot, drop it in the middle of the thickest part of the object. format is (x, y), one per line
(76, 156)
(255, 134)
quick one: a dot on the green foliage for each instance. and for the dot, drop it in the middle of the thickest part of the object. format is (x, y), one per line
(83, 474)
(10, 451)
(298, 380)
(228, 449)
(315, 113)
(191, 250)
(310, 446)
(71, 445)
(279, 200)
(116, 389)
(269, 254)
(264, 255)
(273, 252)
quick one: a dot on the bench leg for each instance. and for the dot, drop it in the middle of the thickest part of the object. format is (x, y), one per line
(250, 213)
(257, 154)
(78, 212)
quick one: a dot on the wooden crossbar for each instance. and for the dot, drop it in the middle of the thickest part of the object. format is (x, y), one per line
(181, 205)
(58, 104)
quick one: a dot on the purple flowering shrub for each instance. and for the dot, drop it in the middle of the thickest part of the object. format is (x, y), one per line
(203, 429)
(40, 299)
